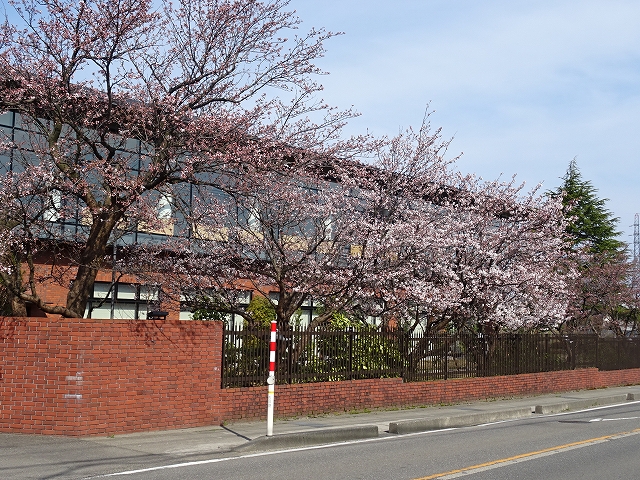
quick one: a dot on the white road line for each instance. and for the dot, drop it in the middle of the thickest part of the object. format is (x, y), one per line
(591, 409)
(331, 445)
(263, 454)
(613, 419)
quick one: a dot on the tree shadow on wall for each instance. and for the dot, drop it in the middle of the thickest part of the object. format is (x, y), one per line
(148, 331)
(153, 331)
(8, 327)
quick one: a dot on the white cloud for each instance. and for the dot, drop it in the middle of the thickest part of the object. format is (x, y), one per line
(524, 86)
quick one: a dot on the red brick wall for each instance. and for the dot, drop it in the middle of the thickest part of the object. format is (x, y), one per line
(94, 377)
(74, 377)
(302, 399)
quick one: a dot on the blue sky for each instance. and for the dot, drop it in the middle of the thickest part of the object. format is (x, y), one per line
(523, 87)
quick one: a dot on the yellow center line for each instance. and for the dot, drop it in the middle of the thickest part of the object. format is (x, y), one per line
(529, 454)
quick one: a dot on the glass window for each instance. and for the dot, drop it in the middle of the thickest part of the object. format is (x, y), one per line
(190, 301)
(5, 163)
(244, 297)
(149, 293)
(126, 291)
(5, 133)
(17, 122)
(101, 290)
(132, 145)
(146, 148)
(103, 312)
(165, 206)
(128, 311)
(131, 301)
(21, 139)
(52, 213)
(6, 119)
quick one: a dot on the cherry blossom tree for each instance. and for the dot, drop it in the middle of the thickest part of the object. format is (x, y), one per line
(481, 255)
(199, 122)
(118, 102)
(508, 260)
(604, 296)
(466, 253)
(342, 232)
(268, 232)
(404, 237)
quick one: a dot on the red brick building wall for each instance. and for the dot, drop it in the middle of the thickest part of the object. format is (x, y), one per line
(93, 377)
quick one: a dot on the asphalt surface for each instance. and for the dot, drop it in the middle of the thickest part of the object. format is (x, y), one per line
(32, 456)
(574, 445)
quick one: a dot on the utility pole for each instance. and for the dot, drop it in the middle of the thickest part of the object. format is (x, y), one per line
(636, 251)
(636, 238)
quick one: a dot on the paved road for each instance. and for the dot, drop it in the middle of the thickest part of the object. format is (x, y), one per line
(390, 456)
(598, 443)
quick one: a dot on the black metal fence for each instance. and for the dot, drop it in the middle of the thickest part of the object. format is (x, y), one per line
(329, 354)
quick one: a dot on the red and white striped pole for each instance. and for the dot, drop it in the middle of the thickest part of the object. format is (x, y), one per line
(271, 380)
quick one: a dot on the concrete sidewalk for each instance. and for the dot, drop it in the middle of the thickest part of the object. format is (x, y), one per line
(34, 456)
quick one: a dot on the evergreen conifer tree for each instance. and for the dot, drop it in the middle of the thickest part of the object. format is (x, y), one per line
(591, 226)
(603, 295)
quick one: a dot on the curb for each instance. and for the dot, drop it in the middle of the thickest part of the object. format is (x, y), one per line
(426, 424)
(579, 404)
(309, 438)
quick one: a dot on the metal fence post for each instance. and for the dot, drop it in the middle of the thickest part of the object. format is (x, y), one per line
(224, 355)
(289, 351)
(446, 357)
(350, 364)
(402, 352)
(547, 354)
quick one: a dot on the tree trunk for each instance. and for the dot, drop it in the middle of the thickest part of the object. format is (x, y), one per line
(18, 307)
(81, 289)
(90, 261)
